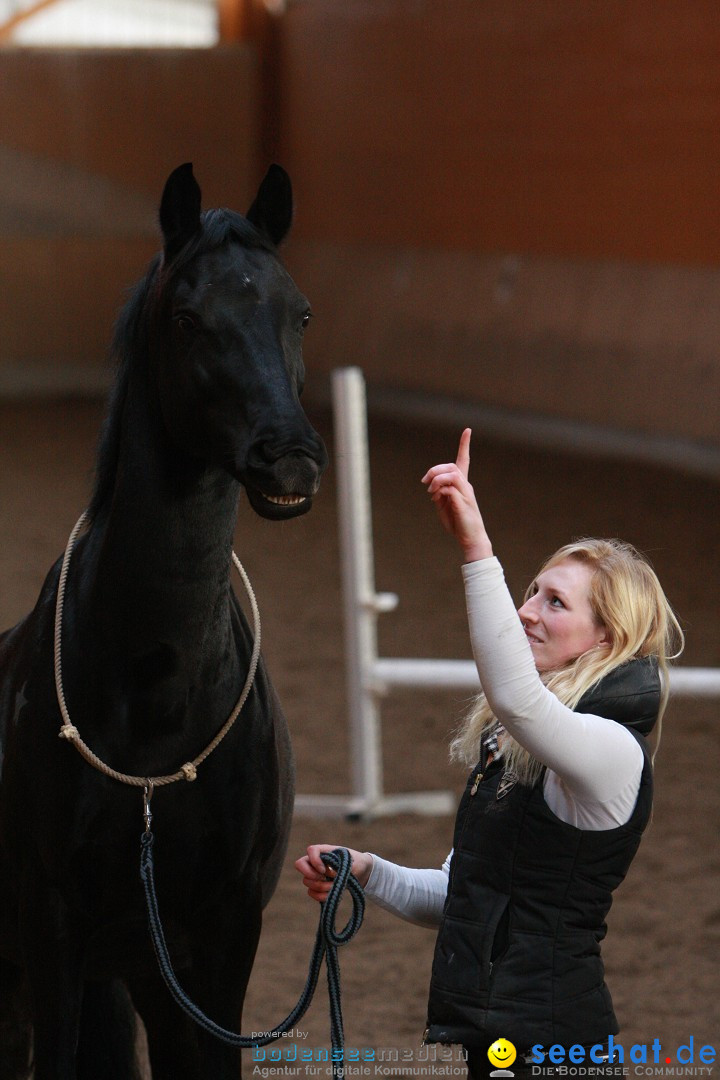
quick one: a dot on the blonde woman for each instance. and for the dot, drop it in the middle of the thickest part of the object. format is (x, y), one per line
(556, 801)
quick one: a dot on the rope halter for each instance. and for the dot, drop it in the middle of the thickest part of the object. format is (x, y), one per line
(69, 731)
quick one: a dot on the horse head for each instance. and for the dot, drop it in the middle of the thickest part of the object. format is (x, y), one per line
(226, 344)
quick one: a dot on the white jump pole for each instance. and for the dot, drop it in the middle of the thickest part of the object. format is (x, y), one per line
(369, 676)
(462, 675)
(362, 604)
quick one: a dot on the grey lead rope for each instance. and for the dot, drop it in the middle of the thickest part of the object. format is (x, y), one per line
(327, 941)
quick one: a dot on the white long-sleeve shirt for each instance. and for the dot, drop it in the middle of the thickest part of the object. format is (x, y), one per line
(593, 764)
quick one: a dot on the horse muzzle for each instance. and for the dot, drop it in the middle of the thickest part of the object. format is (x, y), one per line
(284, 488)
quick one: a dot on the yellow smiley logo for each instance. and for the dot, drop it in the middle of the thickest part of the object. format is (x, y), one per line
(502, 1053)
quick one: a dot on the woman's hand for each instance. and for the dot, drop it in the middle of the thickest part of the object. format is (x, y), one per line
(317, 877)
(457, 508)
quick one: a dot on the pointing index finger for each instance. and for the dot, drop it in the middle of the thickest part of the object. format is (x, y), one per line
(463, 456)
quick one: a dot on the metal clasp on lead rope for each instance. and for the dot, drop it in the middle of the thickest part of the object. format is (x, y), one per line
(147, 797)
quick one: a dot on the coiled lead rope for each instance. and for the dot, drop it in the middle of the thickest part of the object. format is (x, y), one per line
(327, 942)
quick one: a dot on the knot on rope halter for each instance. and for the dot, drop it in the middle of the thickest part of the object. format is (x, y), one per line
(327, 941)
(189, 771)
(68, 731)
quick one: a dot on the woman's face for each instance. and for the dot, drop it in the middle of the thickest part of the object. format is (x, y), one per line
(558, 619)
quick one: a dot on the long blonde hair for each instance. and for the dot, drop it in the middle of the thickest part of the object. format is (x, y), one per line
(628, 601)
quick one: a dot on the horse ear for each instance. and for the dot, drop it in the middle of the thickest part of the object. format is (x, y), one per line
(272, 210)
(179, 209)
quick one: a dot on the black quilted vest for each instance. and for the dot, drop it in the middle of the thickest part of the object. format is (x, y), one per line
(518, 950)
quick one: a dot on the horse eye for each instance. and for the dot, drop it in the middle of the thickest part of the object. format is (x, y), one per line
(186, 323)
(306, 319)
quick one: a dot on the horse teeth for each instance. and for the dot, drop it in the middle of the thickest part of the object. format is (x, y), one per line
(285, 500)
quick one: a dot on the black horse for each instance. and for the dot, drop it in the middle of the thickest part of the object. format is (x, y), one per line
(155, 650)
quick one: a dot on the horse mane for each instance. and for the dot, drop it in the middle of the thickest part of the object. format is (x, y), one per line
(130, 339)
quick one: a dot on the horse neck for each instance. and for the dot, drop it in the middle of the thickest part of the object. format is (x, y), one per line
(162, 545)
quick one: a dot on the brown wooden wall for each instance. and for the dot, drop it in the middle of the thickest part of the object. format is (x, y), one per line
(87, 139)
(511, 201)
(514, 202)
(548, 127)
